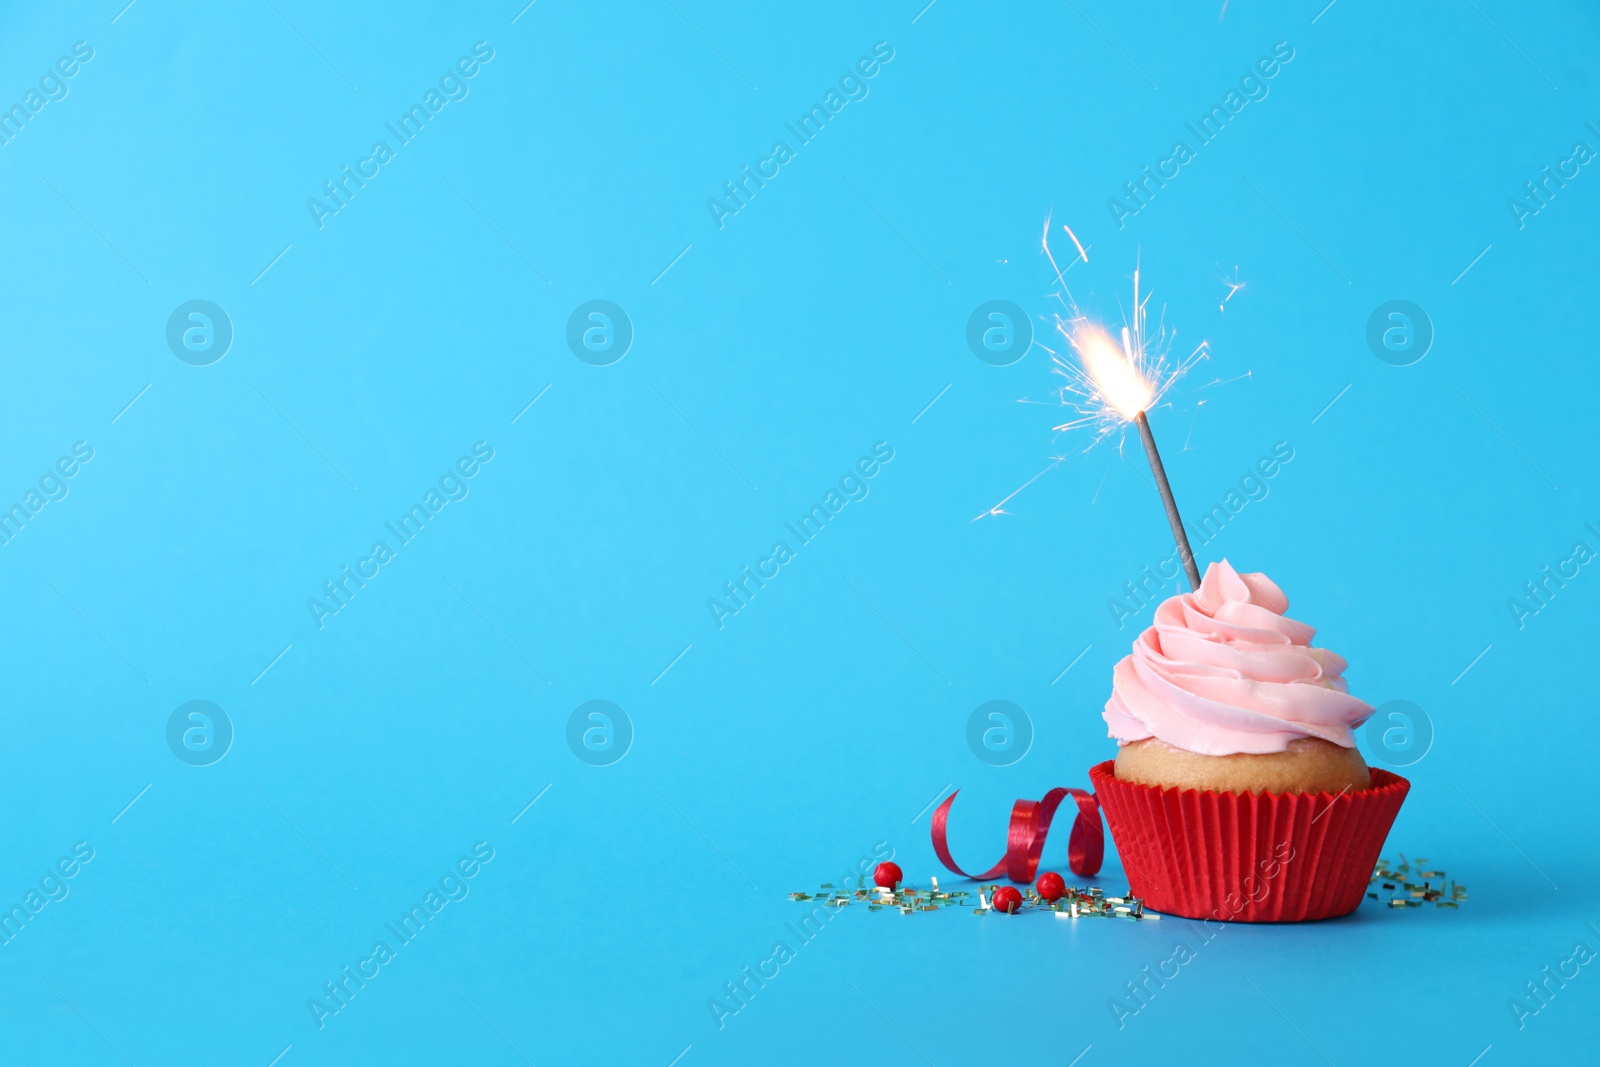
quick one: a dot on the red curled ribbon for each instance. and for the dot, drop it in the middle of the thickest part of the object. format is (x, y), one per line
(1030, 822)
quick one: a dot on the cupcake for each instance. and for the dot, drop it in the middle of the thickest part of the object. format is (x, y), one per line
(1237, 792)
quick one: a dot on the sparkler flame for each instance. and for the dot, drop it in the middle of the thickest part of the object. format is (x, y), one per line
(1110, 385)
(1110, 369)
(1114, 387)
(1107, 384)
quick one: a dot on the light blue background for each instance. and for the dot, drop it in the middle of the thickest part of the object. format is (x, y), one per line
(822, 318)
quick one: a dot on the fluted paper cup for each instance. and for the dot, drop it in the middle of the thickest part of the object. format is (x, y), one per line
(1247, 857)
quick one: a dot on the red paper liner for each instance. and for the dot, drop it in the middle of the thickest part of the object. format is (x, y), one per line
(1246, 857)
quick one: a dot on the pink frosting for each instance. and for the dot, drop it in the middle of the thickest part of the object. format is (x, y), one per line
(1223, 670)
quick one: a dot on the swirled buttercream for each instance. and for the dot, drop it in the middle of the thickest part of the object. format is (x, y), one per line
(1222, 670)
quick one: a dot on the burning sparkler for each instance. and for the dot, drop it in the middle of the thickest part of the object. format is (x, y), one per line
(1111, 385)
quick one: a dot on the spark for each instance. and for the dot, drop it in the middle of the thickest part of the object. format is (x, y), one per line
(1191, 425)
(1219, 381)
(1075, 241)
(1234, 285)
(1044, 244)
(1000, 508)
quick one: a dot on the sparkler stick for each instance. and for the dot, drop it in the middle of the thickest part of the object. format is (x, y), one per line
(1167, 502)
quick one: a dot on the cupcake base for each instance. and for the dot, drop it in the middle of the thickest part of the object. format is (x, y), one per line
(1248, 857)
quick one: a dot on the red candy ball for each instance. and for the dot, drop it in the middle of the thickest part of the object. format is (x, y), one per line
(1051, 886)
(1006, 899)
(888, 875)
